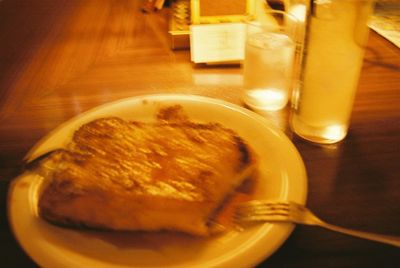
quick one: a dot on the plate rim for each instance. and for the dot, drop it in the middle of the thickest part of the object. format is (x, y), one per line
(172, 97)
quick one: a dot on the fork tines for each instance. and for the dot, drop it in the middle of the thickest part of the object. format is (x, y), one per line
(259, 210)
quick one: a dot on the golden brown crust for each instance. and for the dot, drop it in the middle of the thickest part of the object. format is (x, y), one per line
(125, 175)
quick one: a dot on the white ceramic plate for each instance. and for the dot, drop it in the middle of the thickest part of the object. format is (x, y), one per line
(282, 176)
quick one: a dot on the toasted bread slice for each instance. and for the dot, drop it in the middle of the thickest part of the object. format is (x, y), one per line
(122, 175)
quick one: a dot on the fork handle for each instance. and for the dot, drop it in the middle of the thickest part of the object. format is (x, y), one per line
(386, 239)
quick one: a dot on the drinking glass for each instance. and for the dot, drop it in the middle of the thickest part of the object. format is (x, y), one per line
(268, 63)
(336, 35)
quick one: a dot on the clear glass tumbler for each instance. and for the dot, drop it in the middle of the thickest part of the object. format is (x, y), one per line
(336, 35)
(268, 63)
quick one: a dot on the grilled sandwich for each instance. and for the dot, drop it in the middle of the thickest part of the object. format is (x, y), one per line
(171, 174)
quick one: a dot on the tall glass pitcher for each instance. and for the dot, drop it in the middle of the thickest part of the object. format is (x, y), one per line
(336, 34)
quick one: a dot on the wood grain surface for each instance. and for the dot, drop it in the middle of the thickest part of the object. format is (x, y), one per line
(59, 58)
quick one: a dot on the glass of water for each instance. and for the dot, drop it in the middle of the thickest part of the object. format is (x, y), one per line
(268, 66)
(334, 50)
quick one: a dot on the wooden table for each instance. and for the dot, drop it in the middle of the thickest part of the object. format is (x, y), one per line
(61, 58)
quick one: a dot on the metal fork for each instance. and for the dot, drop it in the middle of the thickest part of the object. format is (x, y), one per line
(268, 211)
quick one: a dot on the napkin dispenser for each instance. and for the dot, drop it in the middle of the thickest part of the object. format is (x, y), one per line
(217, 30)
(188, 13)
